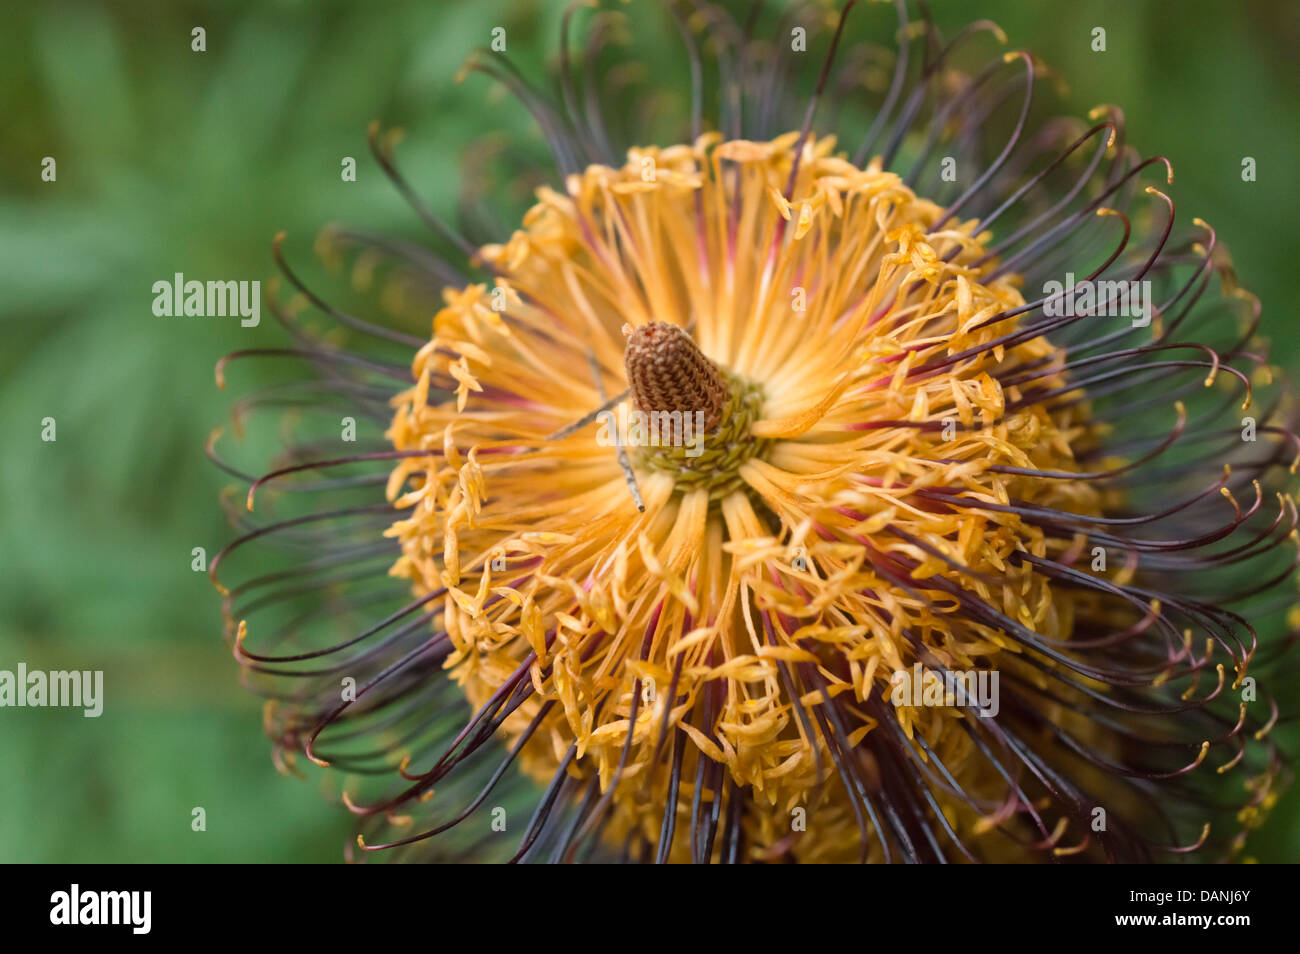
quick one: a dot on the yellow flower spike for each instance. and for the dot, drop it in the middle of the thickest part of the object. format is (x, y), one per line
(903, 469)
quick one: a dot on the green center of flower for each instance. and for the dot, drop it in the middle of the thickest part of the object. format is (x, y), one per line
(710, 460)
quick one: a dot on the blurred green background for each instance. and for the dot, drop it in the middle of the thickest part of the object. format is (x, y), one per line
(170, 160)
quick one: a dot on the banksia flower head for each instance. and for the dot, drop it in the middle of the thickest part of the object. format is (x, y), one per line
(978, 553)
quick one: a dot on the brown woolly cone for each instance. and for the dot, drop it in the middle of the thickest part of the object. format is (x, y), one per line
(667, 372)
